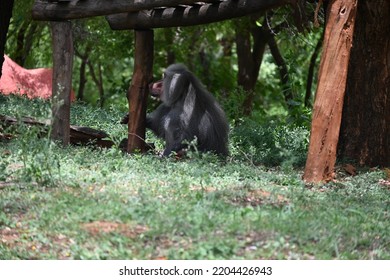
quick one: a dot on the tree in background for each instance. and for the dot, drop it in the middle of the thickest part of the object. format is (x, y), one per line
(5, 17)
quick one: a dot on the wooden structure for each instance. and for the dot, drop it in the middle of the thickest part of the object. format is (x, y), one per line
(140, 15)
(62, 80)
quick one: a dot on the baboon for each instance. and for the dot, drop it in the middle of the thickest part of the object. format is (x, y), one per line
(188, 111)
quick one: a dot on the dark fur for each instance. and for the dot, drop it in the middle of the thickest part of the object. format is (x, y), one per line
(188, 111)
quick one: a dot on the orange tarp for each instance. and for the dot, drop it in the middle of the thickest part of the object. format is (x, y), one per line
(34, 83)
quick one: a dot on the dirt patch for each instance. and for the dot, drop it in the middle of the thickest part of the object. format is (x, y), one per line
(9, 236)
(259, 197)
(104, 227)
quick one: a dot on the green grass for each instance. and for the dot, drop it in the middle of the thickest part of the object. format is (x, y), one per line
(89, 203)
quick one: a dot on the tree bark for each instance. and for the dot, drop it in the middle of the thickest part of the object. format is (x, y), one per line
(62, 80)
(5, 17)
(365, 128)
(330, 91)
(139, 90)
(249, 58)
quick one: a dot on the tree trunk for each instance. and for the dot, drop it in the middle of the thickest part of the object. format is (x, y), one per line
(98, 80)
(82, 80)
(330, 91)
(24, 40)
(310, 74)
(5, 16)
(282, 67)
(365, 128)
(21, 34)
(249, 58)
(62, 80)
(83, 67)
(139, 90)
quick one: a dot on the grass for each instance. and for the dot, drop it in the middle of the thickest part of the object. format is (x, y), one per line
(89, 203)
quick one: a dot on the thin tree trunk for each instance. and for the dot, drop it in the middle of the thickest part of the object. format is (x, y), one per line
(310, 74)
(82, 79)
(98, 79)
(330, 91)
(283, 71)
(34, 31)
(83, 67)
(20, 36)
(249, 58)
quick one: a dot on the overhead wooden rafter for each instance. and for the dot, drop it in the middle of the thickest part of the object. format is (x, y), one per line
(198, 13)
(74, 9)
(136, 14)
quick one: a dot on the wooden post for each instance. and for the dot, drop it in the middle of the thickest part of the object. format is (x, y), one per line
(62, 80)
(332, 79)
(139, 89)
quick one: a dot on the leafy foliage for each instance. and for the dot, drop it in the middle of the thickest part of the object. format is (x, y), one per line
(272, 144)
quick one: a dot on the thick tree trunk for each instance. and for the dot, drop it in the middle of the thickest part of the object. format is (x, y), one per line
(330, 91)
(139, 90)
(62, 80)
(365, 129)
(5, 16)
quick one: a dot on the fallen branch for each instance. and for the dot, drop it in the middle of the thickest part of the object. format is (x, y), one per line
(79, 135)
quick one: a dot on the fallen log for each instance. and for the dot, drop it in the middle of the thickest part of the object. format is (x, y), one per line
(79, 135)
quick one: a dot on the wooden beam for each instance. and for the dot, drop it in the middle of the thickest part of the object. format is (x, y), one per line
(191, 15)
(62, 80)
(73, 9)
(139, 90)
(328, 105)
